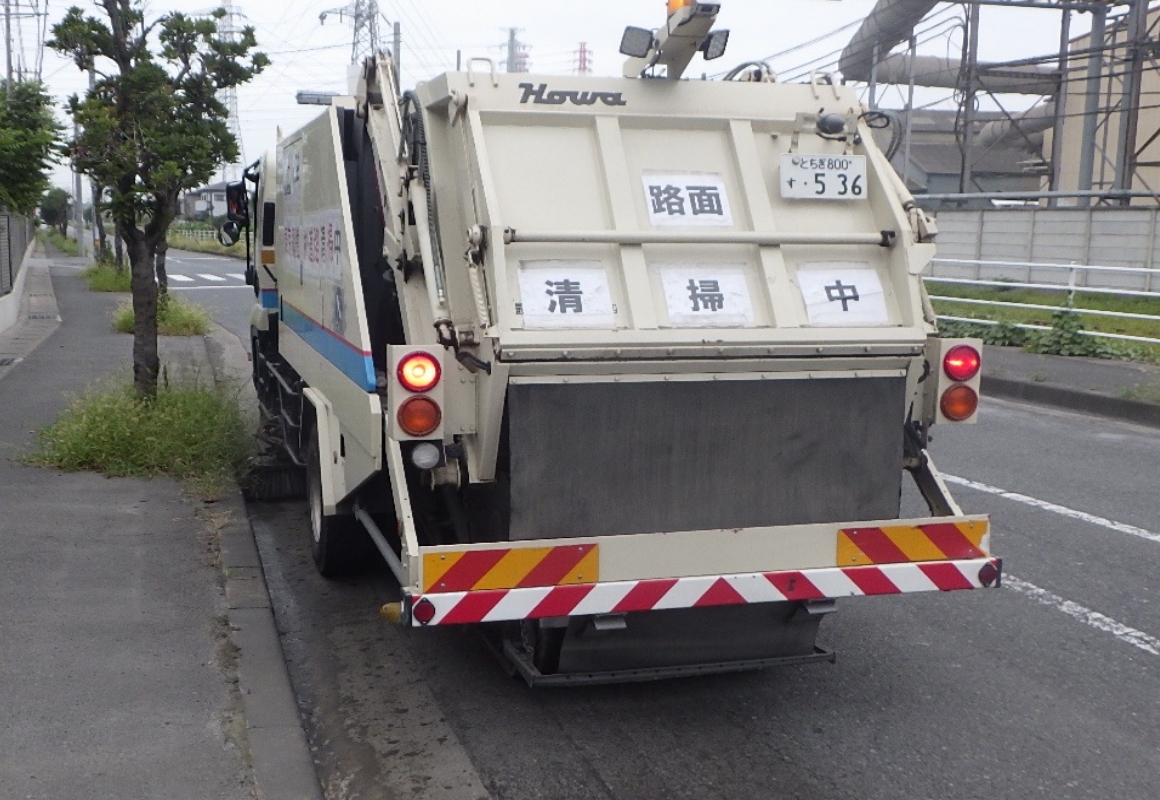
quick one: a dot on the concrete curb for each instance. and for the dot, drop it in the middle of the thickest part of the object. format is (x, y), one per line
(280, 753)
(1137, 411)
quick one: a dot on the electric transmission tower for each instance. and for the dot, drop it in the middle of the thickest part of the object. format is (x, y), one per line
(365, 16)
(517, 52)
(229, 31)
(583, 60)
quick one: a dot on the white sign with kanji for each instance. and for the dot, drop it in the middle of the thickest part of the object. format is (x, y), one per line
(707, 296)
(691, 199)
(840, 294)
(565, 294)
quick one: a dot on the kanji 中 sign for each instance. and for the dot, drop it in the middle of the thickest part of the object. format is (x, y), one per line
(695, 199)
(707, 296)
(838, 294)
(565, 294)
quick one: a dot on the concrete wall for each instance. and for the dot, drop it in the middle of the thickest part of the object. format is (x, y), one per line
(1112, 237)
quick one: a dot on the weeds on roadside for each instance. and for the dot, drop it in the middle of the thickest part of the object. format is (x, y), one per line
(191, 432)
(103, 277)
(175, 317)
(64, 244)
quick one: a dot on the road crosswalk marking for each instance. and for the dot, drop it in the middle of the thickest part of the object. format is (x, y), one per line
(210, 277)
(181, 278)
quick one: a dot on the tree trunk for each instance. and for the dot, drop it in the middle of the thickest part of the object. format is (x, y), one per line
(146, 363)
(159, 266)
(119, 248)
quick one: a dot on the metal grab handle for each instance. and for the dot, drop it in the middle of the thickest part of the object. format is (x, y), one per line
(471, 72)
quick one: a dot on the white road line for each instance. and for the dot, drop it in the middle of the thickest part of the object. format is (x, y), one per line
(181, 278)
(1110, 524)
(215, 278)
(237, 276)
(1149, 644)
(209, 288)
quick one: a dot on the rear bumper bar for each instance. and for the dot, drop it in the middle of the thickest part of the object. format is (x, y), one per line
(617, 597)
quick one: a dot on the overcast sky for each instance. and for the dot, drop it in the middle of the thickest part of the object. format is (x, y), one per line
(309, 54)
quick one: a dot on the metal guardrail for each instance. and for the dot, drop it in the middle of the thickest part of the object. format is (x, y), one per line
(15, 234)
(1071, 287)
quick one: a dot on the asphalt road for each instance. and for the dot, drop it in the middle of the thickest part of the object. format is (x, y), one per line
(216, 282)
(1046, 688)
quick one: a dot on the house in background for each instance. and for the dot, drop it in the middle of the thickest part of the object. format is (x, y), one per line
(205, 203)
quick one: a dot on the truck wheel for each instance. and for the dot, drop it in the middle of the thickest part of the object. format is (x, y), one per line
(333, 537)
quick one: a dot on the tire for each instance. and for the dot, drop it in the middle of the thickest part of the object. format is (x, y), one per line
(334, 538)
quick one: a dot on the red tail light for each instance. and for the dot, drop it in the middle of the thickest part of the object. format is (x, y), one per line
(962, 362)
(419, 372)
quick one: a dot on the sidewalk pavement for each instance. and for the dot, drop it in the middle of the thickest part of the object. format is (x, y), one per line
(140, 657)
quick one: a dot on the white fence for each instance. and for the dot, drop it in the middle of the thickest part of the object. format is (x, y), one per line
(1068, 279)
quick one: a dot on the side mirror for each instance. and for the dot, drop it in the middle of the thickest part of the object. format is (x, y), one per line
(236, 209)
(714, 45)
(636, 42)
(229, 233)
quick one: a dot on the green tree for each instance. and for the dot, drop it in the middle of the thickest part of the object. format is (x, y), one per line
(54, 208)
(152, 127)
(29, 145)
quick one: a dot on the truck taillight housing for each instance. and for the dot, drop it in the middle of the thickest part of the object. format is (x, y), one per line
(959, 376)
(415, 396)
(962, 362)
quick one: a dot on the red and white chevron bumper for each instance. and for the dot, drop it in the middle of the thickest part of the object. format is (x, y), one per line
(582, 599)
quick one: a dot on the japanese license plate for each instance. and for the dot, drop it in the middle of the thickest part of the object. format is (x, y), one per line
(823, 177)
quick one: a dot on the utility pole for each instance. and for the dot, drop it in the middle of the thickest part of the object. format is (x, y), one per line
(78, 203)
(969, 98)
(8, 45)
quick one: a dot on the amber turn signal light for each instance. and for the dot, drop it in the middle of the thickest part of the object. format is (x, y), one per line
(959, 403)
(419, 416)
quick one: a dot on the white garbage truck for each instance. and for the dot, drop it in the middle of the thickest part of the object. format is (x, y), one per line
(627, 371)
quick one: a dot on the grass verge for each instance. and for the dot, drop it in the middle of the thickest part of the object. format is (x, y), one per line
(107, 278)
(175, 317)
(191, 432)
(64, 244)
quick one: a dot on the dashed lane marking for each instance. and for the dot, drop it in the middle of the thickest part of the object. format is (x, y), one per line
(181, 278)
(1110, 524)
(211, 277)
(1149, 644)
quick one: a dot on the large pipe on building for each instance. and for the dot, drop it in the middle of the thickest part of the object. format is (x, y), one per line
(891, 22)
(943, 72)
(1023, 128)
(888, 25)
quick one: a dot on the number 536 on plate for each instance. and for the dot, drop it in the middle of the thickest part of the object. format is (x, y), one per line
(823, 177)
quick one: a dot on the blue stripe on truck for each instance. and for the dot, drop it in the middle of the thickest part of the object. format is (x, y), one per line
(355, 363)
